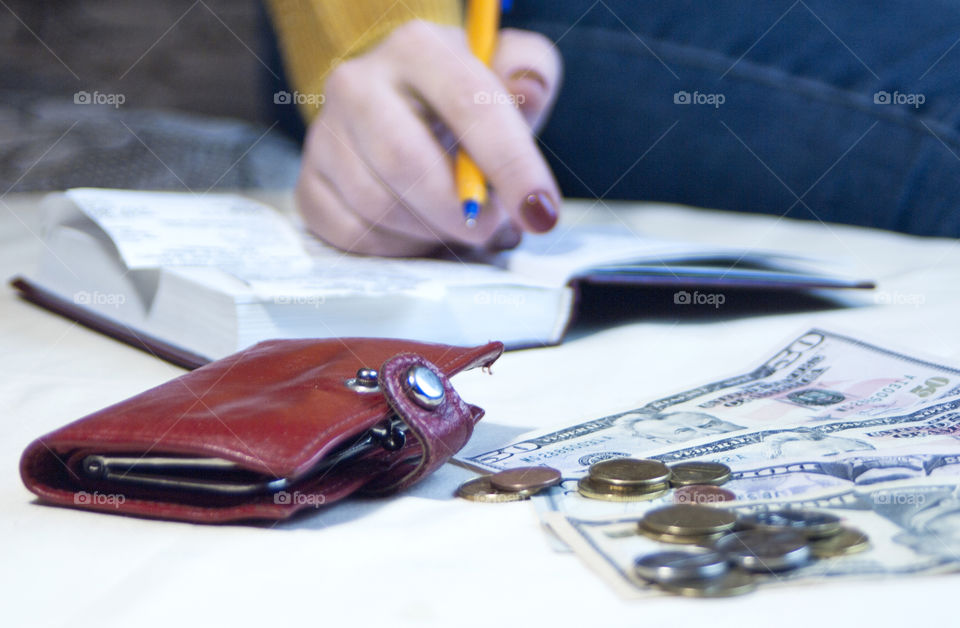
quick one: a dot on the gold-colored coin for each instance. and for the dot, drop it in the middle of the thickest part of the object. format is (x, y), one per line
(689, 520)
(481, 490)
(687, 473)
(679, 539)
(633, 472)
(589, 489)
(732, 583)
(847, 541)
(530, 479)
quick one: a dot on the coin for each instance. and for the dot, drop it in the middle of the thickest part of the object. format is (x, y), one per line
(530, 479)
(689, 520)
(633, 472)
(847, 541)
(481, 490)
(679, 539)
(731, 583)
(681, 565)
(765, 551)
(589, 489)
(813, 525)
(702, 494)
(687, 473)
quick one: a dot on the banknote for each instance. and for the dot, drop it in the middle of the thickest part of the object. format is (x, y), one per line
(914, 528)
(792, 478)
(936, 424)
(781, 479)
(819, 377)
(792, 460)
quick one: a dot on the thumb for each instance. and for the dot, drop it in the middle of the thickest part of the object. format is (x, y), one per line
(531, 68)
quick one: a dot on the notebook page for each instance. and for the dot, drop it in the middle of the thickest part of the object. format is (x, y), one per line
(164, 229)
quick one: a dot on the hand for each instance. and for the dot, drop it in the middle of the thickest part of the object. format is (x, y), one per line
(377, 173)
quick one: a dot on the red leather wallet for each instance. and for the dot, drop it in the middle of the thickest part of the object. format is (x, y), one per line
(266, 432)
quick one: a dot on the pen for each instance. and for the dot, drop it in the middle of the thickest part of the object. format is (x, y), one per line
(483, 21)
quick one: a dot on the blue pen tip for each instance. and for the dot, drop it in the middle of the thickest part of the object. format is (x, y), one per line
(471, 209)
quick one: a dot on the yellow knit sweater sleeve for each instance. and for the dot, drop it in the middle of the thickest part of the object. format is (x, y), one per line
(315, 35)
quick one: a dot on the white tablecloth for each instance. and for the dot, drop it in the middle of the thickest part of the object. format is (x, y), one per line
(425, 557)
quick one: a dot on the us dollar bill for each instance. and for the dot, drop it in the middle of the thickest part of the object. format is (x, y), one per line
(819, 377)
(934, 425)
(792, 478)
(793, 460)
(914, 528)
(782, 479)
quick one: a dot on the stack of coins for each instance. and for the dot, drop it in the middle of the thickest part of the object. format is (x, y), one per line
(633, 479)
(689, 524)
(730, 555)
(625, 480)
(509, 486)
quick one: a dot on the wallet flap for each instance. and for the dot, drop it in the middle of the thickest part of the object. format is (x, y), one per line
(441, 430)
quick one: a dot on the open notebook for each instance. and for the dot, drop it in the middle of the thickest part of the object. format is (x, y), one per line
(194, 278)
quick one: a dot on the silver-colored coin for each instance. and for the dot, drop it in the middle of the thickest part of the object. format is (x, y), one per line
(765, 551)
(675, 565)
(812, 524)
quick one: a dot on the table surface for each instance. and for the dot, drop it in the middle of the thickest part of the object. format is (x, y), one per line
(424, 557)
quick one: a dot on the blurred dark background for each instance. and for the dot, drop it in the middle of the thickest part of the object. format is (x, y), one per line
(137, 93)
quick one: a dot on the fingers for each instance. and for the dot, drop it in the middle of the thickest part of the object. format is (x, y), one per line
(531, 68)
(329, 217)
(377, 173)
(358, 185)
(473, 102)
(405, 157)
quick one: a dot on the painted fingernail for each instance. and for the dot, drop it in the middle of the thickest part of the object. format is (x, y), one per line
(539, 212)
(529, 74)
(506, 237)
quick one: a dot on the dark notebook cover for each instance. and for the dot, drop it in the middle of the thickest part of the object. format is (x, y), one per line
(104, 325)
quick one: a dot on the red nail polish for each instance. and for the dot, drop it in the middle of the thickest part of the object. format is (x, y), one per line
(539, 212)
